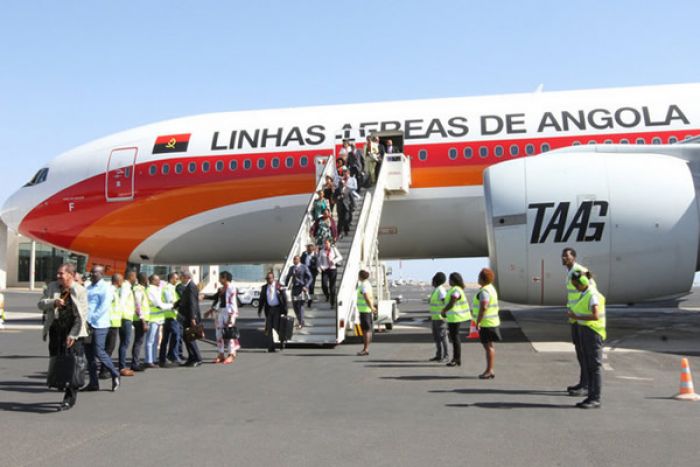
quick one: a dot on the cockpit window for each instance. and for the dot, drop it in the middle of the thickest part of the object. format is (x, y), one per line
(39, 177)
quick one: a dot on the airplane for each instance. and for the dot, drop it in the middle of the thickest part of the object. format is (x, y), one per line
(609, 172)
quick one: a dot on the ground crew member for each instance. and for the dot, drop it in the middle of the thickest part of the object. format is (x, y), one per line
(437, 302)
(172, 330)
(126, 298)
(568, 259)
(456, 311)
(487, 320)
(115, 322)
(366, 309)
(141, 312)
(156, 318)
(589, 313)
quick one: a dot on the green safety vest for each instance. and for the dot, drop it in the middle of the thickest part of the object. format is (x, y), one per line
(490, 318)
(128, 305)
(572, 295)
(362, 305)
(167, 297)
(437, 304)
(581, 309)
(115, 310)
(460, 310)
(145, 303)
(156, 314)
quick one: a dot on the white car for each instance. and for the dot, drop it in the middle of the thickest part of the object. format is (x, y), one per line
(248, 296)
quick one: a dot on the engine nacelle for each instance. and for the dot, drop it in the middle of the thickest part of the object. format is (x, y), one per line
(632, 218)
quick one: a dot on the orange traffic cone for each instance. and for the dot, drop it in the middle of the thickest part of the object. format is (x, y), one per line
(687, 392)
(473, 331)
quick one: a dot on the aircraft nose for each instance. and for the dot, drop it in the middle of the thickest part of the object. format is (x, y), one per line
(12, 212)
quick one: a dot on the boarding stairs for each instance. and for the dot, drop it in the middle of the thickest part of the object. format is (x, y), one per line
(326, 324)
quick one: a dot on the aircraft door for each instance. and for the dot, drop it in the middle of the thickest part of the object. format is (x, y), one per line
(119, 179)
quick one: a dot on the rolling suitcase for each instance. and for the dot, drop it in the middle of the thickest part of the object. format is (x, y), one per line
(286, 328)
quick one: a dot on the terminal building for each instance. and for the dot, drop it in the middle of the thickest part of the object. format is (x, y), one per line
(17, 253)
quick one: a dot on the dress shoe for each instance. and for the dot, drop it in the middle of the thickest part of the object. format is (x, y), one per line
(104, 375)
(193, 364)
(90, 388)
(272, 350)
(575, 387)
(151, 365)
(487, 376)
(454, 363)
(126, 372)
(435, 359)
(578, 392)
(138, 368)
(115, 383)
(64, 406)
(588, 404)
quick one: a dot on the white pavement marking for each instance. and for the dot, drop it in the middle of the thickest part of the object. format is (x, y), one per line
(634, 378)
(607, 367)
(545, 347)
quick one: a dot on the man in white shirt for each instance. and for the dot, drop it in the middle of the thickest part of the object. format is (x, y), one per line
(273, 300)
(327, 260)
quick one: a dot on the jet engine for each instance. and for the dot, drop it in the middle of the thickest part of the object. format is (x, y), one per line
(632, 218)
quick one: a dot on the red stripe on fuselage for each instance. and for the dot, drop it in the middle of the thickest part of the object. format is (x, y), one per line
(53, 222)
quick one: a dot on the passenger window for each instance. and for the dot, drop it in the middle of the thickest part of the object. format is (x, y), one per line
(261, 163)
(289, 162)
(192, 167)
(591, 141)
(247, 164)
(576, 143)
(672, 140)
(607, 141)
(624, 141)
(468, 153)
(233, 165)
(544, 147)
(219, 166)
(452, 153)
(178, 168)
(483, 152)
(640, 140)
(303, 161)
(205, 167)
(498, 150)
(530, 149)
(422, 155)
(275, 163)
(656, 140)
(514, 149)
(165, 170)
(152, 170)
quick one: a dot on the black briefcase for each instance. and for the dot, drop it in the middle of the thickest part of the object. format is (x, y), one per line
(286, 328)
(67, 370)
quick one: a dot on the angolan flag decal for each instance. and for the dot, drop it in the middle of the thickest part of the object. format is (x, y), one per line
(171, 143)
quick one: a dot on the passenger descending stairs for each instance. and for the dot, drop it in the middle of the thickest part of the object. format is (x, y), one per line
(325, 324)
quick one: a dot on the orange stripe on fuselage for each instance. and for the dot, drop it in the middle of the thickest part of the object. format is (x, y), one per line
(118, 233)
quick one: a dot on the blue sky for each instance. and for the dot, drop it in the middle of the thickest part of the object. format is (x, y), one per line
(73, 71)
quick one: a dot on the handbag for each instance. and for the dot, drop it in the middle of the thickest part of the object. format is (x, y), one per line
(67, 370)
(194, 333)
(231, 332)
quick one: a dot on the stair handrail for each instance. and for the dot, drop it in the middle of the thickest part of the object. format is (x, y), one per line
(365, 235)
(301, 238)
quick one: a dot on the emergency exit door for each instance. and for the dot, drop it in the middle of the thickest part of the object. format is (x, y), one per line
(119, 185)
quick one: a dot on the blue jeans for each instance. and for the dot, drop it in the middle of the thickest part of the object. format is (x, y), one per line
(96, 349)
(152, 342)
(170, 344)
(124, 340)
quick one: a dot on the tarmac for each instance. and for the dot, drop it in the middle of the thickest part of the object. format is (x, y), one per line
(326, 406)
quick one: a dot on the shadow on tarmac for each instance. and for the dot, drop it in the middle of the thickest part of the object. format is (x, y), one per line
(534, 392)
(21, 357)
(393, 365)
(426, 377)
(41, 407)
(512, 405)
(24, 386)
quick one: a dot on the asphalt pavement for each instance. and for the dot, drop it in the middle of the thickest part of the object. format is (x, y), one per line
(326, 406)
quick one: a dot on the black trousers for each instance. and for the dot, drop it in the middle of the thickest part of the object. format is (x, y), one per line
(193, 354)
(139, 334)
(328, 278)
(575, 338)
(592, 348)
(453, 332)
(57, 346)
(314, 273)
(272, 322)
